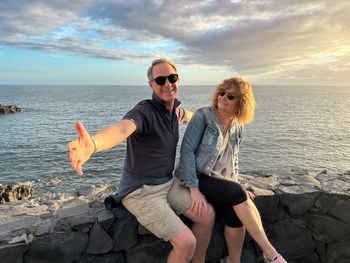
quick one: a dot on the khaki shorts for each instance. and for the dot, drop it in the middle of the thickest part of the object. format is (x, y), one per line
(154, 205)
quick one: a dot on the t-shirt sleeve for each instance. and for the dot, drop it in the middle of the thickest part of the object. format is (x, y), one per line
(140, 115)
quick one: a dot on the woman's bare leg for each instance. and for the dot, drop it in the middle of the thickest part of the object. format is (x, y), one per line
(234, 237)
(250, 217)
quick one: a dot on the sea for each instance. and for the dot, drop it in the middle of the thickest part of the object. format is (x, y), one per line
(295, 128)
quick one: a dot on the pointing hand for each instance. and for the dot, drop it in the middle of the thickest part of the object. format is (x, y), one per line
(80, 149)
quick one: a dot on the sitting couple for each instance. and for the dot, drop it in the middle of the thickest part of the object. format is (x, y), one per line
(206, 181)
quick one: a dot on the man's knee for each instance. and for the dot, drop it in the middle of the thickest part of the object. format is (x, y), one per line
(185, 241)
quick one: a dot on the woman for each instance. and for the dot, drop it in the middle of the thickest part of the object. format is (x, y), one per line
(209, 166)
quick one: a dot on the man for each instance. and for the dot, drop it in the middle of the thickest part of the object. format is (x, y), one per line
(151, 130)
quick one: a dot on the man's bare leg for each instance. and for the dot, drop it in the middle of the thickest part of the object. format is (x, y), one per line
(184, 245)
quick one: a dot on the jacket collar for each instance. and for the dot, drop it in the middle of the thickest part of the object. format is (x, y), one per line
(233, 125)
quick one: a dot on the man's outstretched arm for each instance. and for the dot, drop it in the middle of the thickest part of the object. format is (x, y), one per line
(84, 146)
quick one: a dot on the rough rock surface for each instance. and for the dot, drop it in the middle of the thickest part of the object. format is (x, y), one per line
(9, 109)
(12, 193)
(306, 217)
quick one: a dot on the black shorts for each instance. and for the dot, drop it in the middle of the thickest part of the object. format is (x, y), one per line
(223, 195)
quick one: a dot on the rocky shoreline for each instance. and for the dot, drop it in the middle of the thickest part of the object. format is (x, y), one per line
(9, 109)
(307, 218)
(13, 193)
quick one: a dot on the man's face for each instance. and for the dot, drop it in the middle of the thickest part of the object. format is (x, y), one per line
(168, 91)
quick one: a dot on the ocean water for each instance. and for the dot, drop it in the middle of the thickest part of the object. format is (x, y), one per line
(294, 128)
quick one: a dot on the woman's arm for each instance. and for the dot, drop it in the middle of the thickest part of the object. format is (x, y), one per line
(188, 172)
(190, 142)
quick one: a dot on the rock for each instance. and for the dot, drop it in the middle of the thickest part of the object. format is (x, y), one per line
(327, 228)
(43, 229)
(9, 109)
(73, 207)
(300, 171)
(124, 233)
(312, 258)
(99, 241)
(12, 253)
(325, 202)
(268, 208)
(217, 245)
(112, 257)
(341, 209)
(105, 218)
(298, 204)
(12, 193)
(96, 191)
(305, 216)
(248, 253)
(60, 248)
(338, 252)
(293, 242)
(321, 250)
(22, 239)
(74, 223)
(149, 248)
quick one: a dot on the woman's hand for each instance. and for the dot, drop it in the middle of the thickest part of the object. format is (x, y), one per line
(199, 203)
(80, 149)
(251, 195)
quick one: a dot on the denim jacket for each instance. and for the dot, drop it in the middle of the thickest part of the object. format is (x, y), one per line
(200, 146)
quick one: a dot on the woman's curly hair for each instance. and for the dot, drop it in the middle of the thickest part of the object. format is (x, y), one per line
(246, 104)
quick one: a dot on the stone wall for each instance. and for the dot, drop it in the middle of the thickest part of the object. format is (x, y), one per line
(306, 217)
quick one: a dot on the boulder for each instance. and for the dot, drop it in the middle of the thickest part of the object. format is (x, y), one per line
(13, 193)
(99, 241)
(9, 109)
(57, 248)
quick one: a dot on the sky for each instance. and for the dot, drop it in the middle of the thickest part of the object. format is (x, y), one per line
(112, 42)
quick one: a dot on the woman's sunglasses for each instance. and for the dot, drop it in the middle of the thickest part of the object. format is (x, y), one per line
(230, 96)
(161, 80)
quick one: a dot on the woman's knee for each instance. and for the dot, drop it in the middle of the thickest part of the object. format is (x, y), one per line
(239, 196)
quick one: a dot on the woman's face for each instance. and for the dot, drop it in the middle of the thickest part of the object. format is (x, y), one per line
(228, 101)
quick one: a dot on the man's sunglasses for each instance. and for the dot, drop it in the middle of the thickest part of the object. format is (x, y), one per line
(230, 96)
(161, 80)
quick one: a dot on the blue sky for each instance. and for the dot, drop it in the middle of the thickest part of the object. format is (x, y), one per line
(305, 42)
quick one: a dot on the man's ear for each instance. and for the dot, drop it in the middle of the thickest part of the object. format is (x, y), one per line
(150, 83)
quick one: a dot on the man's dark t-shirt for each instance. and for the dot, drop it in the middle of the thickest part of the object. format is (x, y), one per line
(151, 149)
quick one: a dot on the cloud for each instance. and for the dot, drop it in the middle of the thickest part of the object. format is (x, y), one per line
(257, 39)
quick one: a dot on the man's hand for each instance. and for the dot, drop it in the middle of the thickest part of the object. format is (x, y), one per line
(199, 203)
(80, 149)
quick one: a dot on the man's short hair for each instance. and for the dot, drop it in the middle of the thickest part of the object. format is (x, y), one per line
(158, 61)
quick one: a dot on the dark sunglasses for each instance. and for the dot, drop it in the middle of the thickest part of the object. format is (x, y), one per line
(161, 80)
(230, 96)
